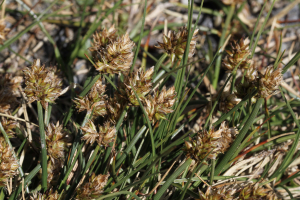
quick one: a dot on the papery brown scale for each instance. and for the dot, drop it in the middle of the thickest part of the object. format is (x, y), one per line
(57, 141)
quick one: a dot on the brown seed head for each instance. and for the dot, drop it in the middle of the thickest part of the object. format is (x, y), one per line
(9, 125)
(57, 141)
(269, 81)
(217, 194)
(116, 57)
(42, 84)
(53, 170)
(160, 104)
(8, 163)
(94, 101)
(255, 191)
(228, 101)
(174, 44)
(142, 84)
(49, 195)
(103, 137)
(103, 38)
(213, 142)
(92, 189)
(115, 107)
(236, 54)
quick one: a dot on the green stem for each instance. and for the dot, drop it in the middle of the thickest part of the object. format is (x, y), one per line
(140, 39)
(268, 122)
(215, 103)
(89, 84)
(158, 64)
(48, 114)
(87, 166)
(77, 139)
(233, 82)
(213, 165)
(43, 146)
(222, 39)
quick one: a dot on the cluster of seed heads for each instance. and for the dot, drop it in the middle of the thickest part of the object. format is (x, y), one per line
(174, 44)
(49, 195)
(93, 188)
(210, 143)
(234, 191)
(266, 81)
(42, 83)
(112, 54)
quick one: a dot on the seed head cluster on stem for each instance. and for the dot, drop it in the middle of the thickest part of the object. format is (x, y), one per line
(42, 83)
(210, 143)
(174, 44)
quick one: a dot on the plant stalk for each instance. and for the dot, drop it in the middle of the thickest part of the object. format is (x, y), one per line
(43, 146)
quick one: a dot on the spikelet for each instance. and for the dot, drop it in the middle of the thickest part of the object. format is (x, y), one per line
(228, 101)
(94, 101)
(142, 84)
(103, 137)
(8, 126)
(251, 74)
(8, 163)
(50, 195)
(103, 38)
(92, 189)
(257, 191)
(8, 92)
(42, 84)
(236, 54)
(57, 141)
(174, 44)
(160, 104)
(213, 142)
(3, 31)
(269, 81)
(217, 194)
(53, 171)
(116, 57)
(115, 107)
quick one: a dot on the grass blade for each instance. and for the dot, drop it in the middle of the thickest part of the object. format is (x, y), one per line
(130, 145)
(28, 178)
(140, 39)
(170, 180)
(43, 146)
